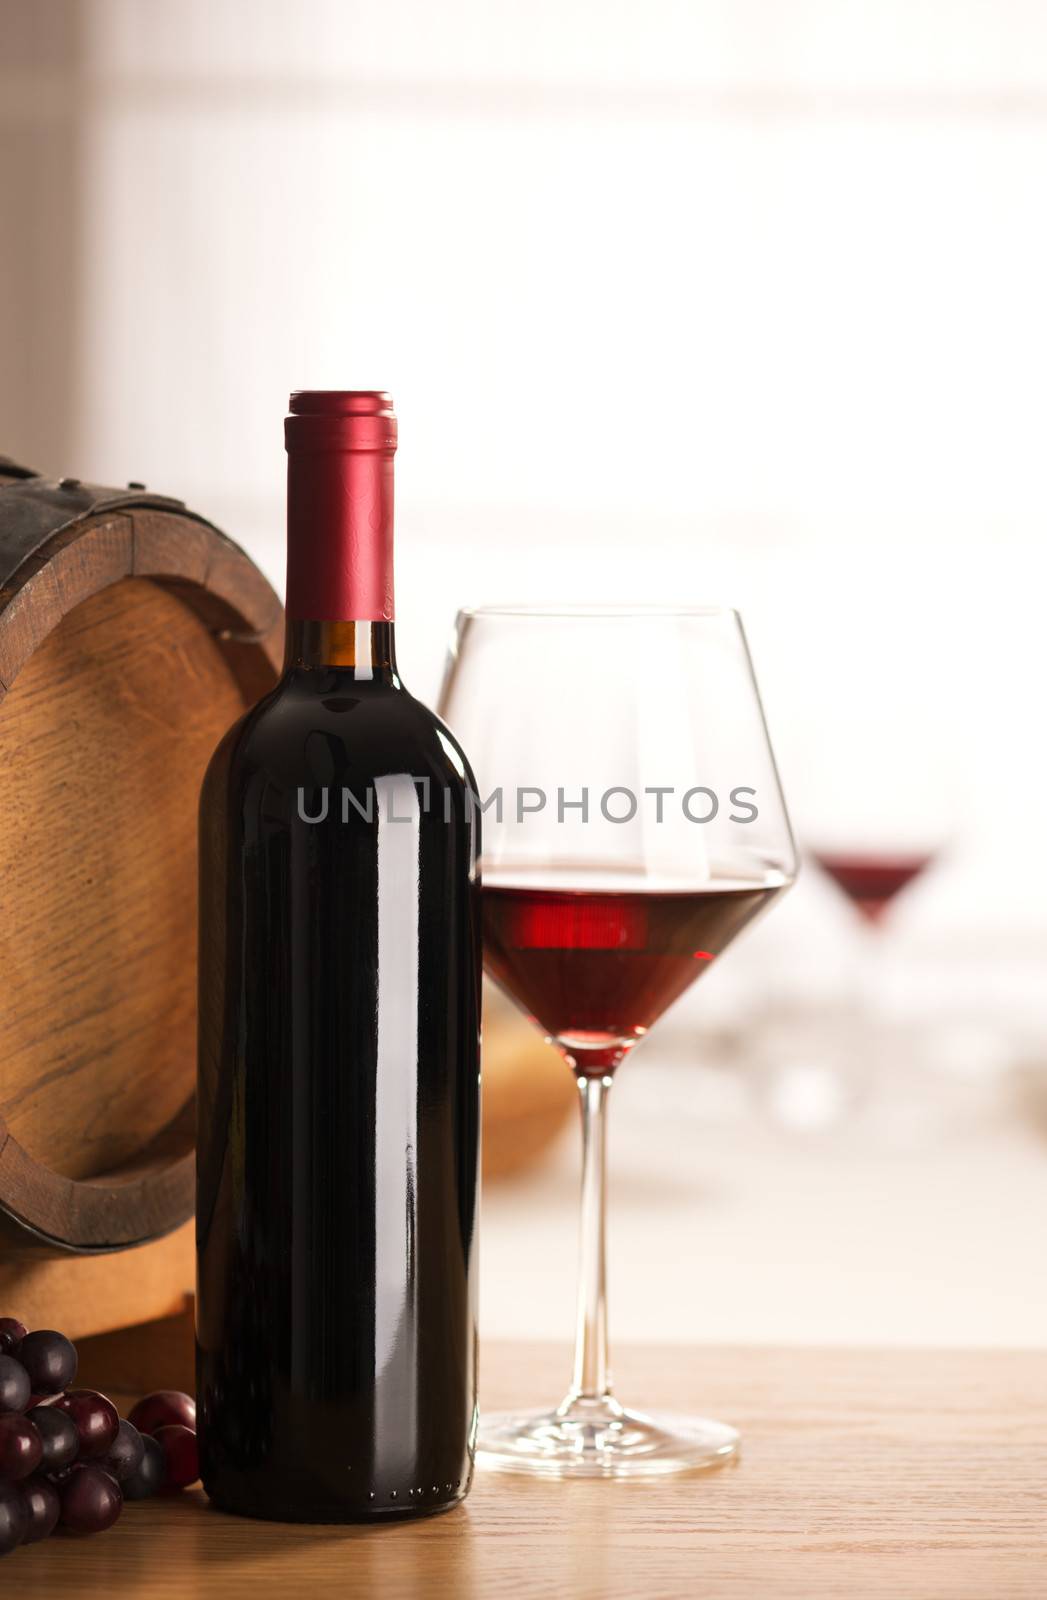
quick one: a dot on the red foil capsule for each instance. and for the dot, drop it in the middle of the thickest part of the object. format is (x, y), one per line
(340, 447)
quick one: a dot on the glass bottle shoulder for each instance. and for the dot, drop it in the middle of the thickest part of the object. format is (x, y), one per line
(325, 727)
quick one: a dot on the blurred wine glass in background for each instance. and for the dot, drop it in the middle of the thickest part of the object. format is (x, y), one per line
(871, 878)
(876, 813)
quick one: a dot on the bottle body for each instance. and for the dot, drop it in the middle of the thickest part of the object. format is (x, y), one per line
(339, 1051)
(338, 1109)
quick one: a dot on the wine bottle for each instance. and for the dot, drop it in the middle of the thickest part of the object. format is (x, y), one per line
(338, 1107)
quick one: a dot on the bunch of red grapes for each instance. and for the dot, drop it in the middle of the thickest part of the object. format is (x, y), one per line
(66, 1459)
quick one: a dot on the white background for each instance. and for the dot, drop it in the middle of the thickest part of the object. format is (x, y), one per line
(737, 302)
(731, 301)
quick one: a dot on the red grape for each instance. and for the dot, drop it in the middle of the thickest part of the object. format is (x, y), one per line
(59, 1435)
(21, 1448)
(96, 1420)
(12, 1332)
(125, 1453)
(65, 1455)
(91, 1500)
(162, 1409)
(50, 1360)
(181, 1460)
(149, 1477)
(14, 1518)
(42, 1504)
(15, 1387)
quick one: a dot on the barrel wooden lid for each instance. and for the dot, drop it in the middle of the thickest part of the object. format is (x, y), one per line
(132, 635)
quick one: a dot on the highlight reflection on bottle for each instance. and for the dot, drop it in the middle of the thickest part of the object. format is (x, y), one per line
(339, 1041)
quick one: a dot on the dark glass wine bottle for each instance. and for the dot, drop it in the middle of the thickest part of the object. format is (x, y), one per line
(338, 1112)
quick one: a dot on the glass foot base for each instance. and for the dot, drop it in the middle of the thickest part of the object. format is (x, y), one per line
(601, 1439)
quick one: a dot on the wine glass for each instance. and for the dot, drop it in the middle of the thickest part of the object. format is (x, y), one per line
(875, 812)
(632, 825)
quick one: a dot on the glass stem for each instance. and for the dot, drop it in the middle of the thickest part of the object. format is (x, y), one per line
(592, 1378)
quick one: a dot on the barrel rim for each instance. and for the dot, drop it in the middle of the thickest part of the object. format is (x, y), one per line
(135, 536)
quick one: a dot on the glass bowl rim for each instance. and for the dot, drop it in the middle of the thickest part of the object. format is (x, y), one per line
(619, 610)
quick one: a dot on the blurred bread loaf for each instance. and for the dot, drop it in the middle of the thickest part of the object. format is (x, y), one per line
(528, 1092)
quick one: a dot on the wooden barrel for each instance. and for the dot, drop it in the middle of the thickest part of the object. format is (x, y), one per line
(132, 634)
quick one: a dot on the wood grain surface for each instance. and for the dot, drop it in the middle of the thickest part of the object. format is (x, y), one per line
(865, 1473)
(106, 734)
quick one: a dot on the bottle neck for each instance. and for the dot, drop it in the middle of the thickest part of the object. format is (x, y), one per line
(340, 446)
(339, 530)
(364, 650)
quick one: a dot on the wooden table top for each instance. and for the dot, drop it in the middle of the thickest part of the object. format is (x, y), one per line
(896, 1473)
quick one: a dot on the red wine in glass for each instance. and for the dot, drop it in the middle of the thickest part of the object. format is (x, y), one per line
(869, 880)
(596, 968)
